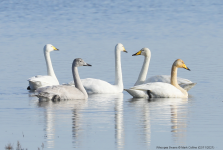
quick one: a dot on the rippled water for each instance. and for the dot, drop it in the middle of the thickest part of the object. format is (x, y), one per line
(190, 30)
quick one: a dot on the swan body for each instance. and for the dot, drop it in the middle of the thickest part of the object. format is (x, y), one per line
(184, 83)
(156, 90)
(48, 80)
(161, 89)
(97, 86)
(65, 92)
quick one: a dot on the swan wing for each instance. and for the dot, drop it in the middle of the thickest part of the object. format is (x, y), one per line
(156, 89)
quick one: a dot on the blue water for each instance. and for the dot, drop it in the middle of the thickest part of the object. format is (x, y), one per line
(190, 30)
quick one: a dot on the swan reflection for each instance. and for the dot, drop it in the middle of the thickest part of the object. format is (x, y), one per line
(144, 109)
(175, 107)
(178, 115)
(161, 110)
(119, 126)
(50, 110)
(49, 121)
(76, 121)
(104, 101)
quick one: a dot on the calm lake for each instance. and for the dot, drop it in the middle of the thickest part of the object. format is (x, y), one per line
(189, 30)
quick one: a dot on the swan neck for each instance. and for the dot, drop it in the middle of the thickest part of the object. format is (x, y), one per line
(143, 72)
(174, 80)
(77, 81)
(174, 76)
(49, 66)
(118, 69)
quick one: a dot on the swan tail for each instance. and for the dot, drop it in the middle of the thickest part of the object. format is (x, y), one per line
(187, 87)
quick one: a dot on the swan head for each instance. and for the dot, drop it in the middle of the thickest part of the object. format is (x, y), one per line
(144, 51)
(49, 48)
(179, 63)
(79, 62)
(120, 47)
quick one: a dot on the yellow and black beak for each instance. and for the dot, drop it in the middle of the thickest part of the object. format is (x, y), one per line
(56, 49)
(124, 50)
(138, 53)
(185, 67)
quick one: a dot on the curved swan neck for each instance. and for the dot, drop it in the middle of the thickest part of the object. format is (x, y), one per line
(49, 66)
(77, 81)
(174, 80)
(118, 69)
(143, 72)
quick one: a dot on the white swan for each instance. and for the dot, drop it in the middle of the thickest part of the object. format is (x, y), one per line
(49, 79)
(98, 86)
(64, 92)
(184, 83)
(160, 89)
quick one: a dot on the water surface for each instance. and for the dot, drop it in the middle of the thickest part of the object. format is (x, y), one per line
(190, 30)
